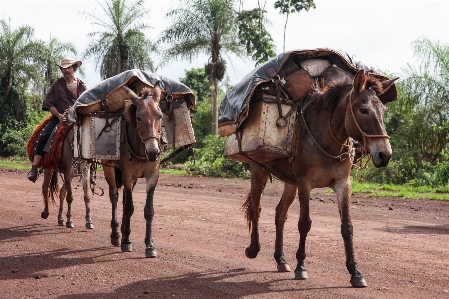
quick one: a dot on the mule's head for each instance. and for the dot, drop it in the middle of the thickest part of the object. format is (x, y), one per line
(365, 114)
(148, 118)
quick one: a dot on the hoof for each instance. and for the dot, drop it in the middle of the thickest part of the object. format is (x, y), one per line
(301, 275)
(61, 222)
(284, 268)
(127, 247)
(44, 215)
(69, 224)
(116, 241)
(251, 254)
(89, 225)
(150, 252)
(358, 282)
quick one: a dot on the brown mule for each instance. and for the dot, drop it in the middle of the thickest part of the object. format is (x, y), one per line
(323, 157)
(139, 158)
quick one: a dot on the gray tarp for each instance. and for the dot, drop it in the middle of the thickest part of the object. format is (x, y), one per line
(234, 107)
(109, 85)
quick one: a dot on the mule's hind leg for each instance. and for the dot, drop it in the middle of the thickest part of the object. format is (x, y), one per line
(344, 191)
(86, 191)
(109, 174)
(259, 176)
(304, 225)
(288, 196)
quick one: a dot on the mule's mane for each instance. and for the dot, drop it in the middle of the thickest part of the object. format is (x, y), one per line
(129, 111)
(328, 96)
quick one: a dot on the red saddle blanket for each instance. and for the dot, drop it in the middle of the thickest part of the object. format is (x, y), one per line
(53, 157)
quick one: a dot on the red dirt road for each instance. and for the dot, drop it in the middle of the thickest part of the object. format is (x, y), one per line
(402, 246)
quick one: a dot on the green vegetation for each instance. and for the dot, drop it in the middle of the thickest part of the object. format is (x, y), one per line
(418, 122)
(406, 191)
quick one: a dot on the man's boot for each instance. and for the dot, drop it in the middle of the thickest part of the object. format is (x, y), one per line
(33, 175)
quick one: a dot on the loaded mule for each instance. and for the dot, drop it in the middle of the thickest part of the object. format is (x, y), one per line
(59, 159)
(323, 156)
(140, 157)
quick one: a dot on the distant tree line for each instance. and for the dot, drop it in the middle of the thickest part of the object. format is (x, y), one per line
(219, 29)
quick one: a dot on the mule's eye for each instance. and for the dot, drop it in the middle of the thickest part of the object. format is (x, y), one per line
(363, 111)
(138, 118)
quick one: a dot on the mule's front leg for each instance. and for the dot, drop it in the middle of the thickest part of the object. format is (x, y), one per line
(148, 213)
(259, 176)
(109, 175)
(344, 198)
(128, 210)
(304, 225)
(288, 196)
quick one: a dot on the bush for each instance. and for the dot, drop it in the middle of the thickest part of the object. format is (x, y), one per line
(210, 161)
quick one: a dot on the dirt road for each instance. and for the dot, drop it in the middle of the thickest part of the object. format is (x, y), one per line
(402, 246)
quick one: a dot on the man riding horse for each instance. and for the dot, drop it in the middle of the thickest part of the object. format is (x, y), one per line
(61, 96)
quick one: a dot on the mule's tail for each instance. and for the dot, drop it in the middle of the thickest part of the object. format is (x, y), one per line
(247, 209)
(54, 187)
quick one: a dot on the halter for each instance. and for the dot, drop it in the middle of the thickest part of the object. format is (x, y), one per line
(347, 143)
(364, 135)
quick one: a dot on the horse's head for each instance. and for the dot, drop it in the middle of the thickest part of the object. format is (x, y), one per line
(148, 119)
(364, 116)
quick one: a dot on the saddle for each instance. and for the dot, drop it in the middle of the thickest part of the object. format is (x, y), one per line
(53, 148)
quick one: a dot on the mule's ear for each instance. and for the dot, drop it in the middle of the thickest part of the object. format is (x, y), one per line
(360, 81)
(387, 84)
(157, 91)
(130, 94)
(389, 93)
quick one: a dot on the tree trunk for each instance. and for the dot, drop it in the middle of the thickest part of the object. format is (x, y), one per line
(214, 94)
(285, 29)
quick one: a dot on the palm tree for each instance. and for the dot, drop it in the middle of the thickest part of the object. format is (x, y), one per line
(203, 27)
(54, 52)
(123, 45)
(19, 67)
(18, 52)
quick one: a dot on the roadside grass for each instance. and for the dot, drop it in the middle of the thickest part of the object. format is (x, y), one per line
(371, 189)
(406, 191)
(15, 163)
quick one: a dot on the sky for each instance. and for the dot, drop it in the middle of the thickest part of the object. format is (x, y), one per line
(378, 33)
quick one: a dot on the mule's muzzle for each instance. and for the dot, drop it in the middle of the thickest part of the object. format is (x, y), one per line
(381, 159)
(153, 155)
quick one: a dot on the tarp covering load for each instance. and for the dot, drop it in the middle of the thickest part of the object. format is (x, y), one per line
(259, 114)
(110, 90)
(296, 71)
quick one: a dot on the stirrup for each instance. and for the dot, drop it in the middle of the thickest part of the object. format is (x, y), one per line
(33, 175)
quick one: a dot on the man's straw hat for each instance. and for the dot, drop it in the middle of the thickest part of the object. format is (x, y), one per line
(67, 61)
